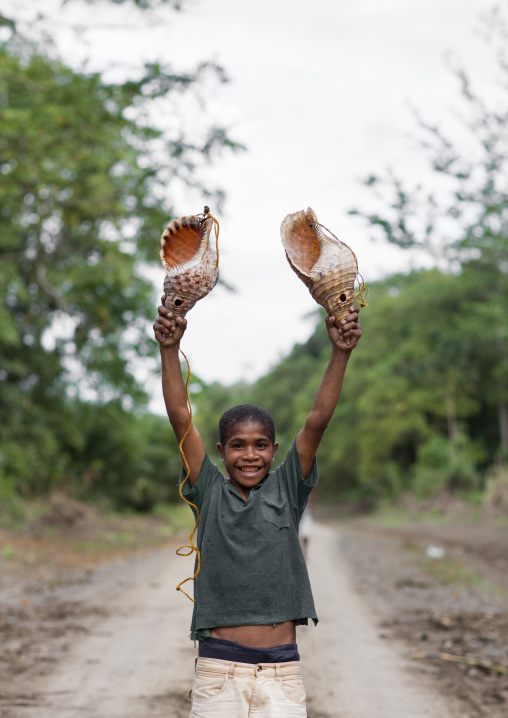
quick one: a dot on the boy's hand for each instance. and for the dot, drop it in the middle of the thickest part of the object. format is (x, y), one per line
(346, 336)
(168, 328)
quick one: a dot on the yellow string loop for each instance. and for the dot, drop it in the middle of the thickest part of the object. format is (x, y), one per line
(362, 293)
(216, 227)
(191, 545)
(363, 290)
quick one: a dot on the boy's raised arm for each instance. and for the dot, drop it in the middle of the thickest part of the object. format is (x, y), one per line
(328, 394)
(168, 332)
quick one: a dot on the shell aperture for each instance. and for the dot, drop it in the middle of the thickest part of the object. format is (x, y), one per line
(189, 261)
(327, 266)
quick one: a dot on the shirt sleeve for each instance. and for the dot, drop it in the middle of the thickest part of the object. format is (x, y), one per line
(198, 493)
(298, 488)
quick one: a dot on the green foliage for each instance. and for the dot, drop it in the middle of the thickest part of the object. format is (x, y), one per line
(78, 216)
(418, 407)
(91, 451)
(445, 464)
(130, 458)
(496, 493)
(425, 401)
(84, 183)
(462, 220)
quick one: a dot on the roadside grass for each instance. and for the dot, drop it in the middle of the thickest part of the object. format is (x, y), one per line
(17, 513)
(8, 553)
(450, 571)
(453, 572)
(467, 538)
(440, 511)
(178, 515)
(137, 530)
(39, 538)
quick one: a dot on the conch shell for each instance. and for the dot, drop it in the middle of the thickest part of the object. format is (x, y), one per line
(190, 264)
(327, 266)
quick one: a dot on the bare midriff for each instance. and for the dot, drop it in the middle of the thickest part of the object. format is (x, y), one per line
(258, 636)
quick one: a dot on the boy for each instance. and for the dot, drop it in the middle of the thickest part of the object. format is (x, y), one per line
(253, 587)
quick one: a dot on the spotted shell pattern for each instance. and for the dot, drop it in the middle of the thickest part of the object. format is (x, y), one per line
(325, 265)
(190, 264)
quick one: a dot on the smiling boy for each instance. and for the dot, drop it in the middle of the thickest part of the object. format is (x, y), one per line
(253, 587)
(248, 455)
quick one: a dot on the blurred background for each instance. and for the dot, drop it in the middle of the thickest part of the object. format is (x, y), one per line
(389, 119)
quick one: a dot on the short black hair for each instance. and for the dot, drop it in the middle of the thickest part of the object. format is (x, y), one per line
(242, 413)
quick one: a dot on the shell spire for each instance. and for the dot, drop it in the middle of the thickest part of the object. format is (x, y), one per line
(190, 264)
(327, 266)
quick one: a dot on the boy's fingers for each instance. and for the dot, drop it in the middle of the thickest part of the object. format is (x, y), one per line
(158, 330)
(352, 316)
(168, 323)
(357, 332)
(348, 324)
(166, 314)
(330, 319)
(161, 326)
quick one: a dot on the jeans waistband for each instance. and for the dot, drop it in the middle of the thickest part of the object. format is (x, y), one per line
(218, 648)
(232, 668)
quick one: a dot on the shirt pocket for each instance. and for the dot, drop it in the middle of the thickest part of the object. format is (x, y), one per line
(275, 509)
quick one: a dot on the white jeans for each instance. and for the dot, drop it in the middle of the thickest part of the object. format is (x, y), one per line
(225, 689)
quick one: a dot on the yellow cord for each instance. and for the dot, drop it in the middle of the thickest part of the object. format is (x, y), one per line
(363, 290)
(191, 546)
(362, 293)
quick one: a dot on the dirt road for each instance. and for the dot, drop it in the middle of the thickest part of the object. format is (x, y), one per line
(351, 671)
(113, 641)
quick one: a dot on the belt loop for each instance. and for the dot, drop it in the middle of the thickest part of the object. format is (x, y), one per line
(277, 671)
(231, 671)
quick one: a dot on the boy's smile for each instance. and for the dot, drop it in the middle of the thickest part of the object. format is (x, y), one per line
(248, 456)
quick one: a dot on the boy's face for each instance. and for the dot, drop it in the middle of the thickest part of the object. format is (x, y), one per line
(248, 455)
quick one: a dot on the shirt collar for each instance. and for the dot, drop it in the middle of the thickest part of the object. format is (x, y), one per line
(235, 491)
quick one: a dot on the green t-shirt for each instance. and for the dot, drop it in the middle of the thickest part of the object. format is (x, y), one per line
(252, 567)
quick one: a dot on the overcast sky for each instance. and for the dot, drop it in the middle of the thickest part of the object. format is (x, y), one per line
(320, 93)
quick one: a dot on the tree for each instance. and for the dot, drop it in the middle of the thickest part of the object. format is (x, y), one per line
(79, 215)
(464, 225)
(84, 194)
